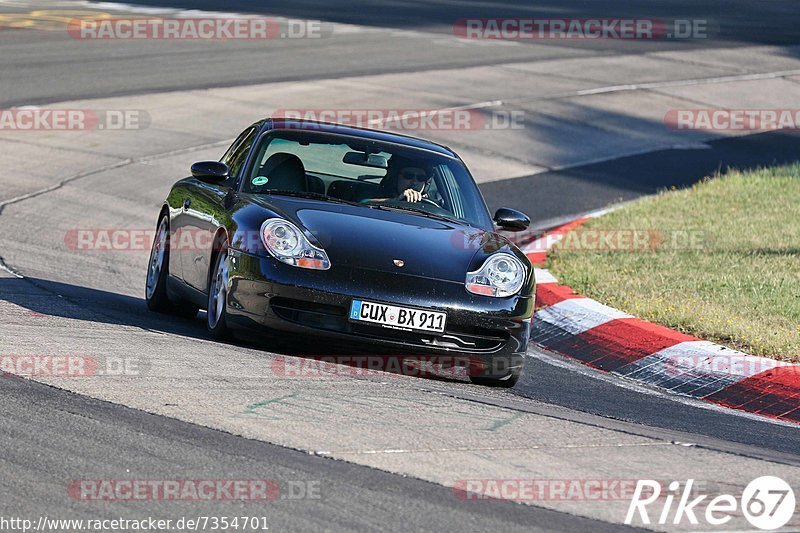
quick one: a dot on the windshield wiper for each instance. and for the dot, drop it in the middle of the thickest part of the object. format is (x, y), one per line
(326, 198)
(419, 212)
(312, 195)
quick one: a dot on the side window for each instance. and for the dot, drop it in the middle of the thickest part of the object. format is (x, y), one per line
(236, 155)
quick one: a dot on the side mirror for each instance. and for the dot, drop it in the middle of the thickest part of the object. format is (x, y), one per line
(211, 171)
(511, 219)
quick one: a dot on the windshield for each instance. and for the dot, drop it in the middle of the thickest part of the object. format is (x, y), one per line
(368, 173)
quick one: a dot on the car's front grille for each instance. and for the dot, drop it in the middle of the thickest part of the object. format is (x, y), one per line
(312, 314)
(479, 333)
(335, 318)
(452, 338)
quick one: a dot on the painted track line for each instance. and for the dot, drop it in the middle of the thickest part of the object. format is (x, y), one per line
(689, 82)
(623, 382)
(611, 341)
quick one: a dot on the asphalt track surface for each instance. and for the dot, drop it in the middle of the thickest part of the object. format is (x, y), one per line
(50, 435)
(356, 498)
(88, 70)
(589, 187)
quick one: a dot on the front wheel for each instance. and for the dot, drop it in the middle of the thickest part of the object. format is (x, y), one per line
(504, 373)
(218, 297)
(505, 382)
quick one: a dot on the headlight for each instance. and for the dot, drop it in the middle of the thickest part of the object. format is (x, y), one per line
(501, 275)
(287, 243)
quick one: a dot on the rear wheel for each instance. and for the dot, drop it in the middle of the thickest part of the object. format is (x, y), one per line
(157, 272)
(216, 316)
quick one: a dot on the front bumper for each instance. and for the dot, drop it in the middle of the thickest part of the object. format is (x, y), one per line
(265, 294)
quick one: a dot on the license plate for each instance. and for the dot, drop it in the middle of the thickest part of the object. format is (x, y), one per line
(392, 316)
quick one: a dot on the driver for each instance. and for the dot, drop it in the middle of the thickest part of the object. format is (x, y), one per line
(411, 183)
(407, 185)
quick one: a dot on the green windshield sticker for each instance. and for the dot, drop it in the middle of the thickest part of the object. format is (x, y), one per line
(259, 180)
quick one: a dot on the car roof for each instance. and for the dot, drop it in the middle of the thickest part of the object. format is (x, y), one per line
(326, 127)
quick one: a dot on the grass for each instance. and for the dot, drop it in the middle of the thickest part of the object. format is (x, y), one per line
(737, 283)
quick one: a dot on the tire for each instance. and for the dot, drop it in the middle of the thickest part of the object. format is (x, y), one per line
(505, 382)
(506, 373)
(155, 292)
(216, 315)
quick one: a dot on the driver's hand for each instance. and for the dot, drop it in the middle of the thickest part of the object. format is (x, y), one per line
(411, 195)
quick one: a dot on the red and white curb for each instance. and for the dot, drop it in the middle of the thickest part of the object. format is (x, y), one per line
(607, 339)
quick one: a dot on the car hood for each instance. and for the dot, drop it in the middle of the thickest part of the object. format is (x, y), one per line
(364, 238)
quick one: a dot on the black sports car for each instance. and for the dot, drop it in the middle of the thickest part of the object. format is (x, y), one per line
(350, 234)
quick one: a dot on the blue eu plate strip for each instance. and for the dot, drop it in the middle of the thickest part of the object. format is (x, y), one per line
(355, 310)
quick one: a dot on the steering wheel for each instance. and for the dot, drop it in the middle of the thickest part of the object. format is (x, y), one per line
(428, 200)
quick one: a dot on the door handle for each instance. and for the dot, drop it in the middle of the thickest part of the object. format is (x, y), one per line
(186, 203)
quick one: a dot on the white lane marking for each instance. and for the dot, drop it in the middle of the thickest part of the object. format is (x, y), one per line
(578, 315)
(689, 82)
(433, 112)
(543, 276)
(547, 225)
(552, 237)
(543, 243)
(629, 384)
(63, 182)
(111, 166)
(602, 212)
(4, 268)
(501, 448)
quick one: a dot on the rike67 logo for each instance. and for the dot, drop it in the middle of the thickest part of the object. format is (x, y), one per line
(767, 502)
